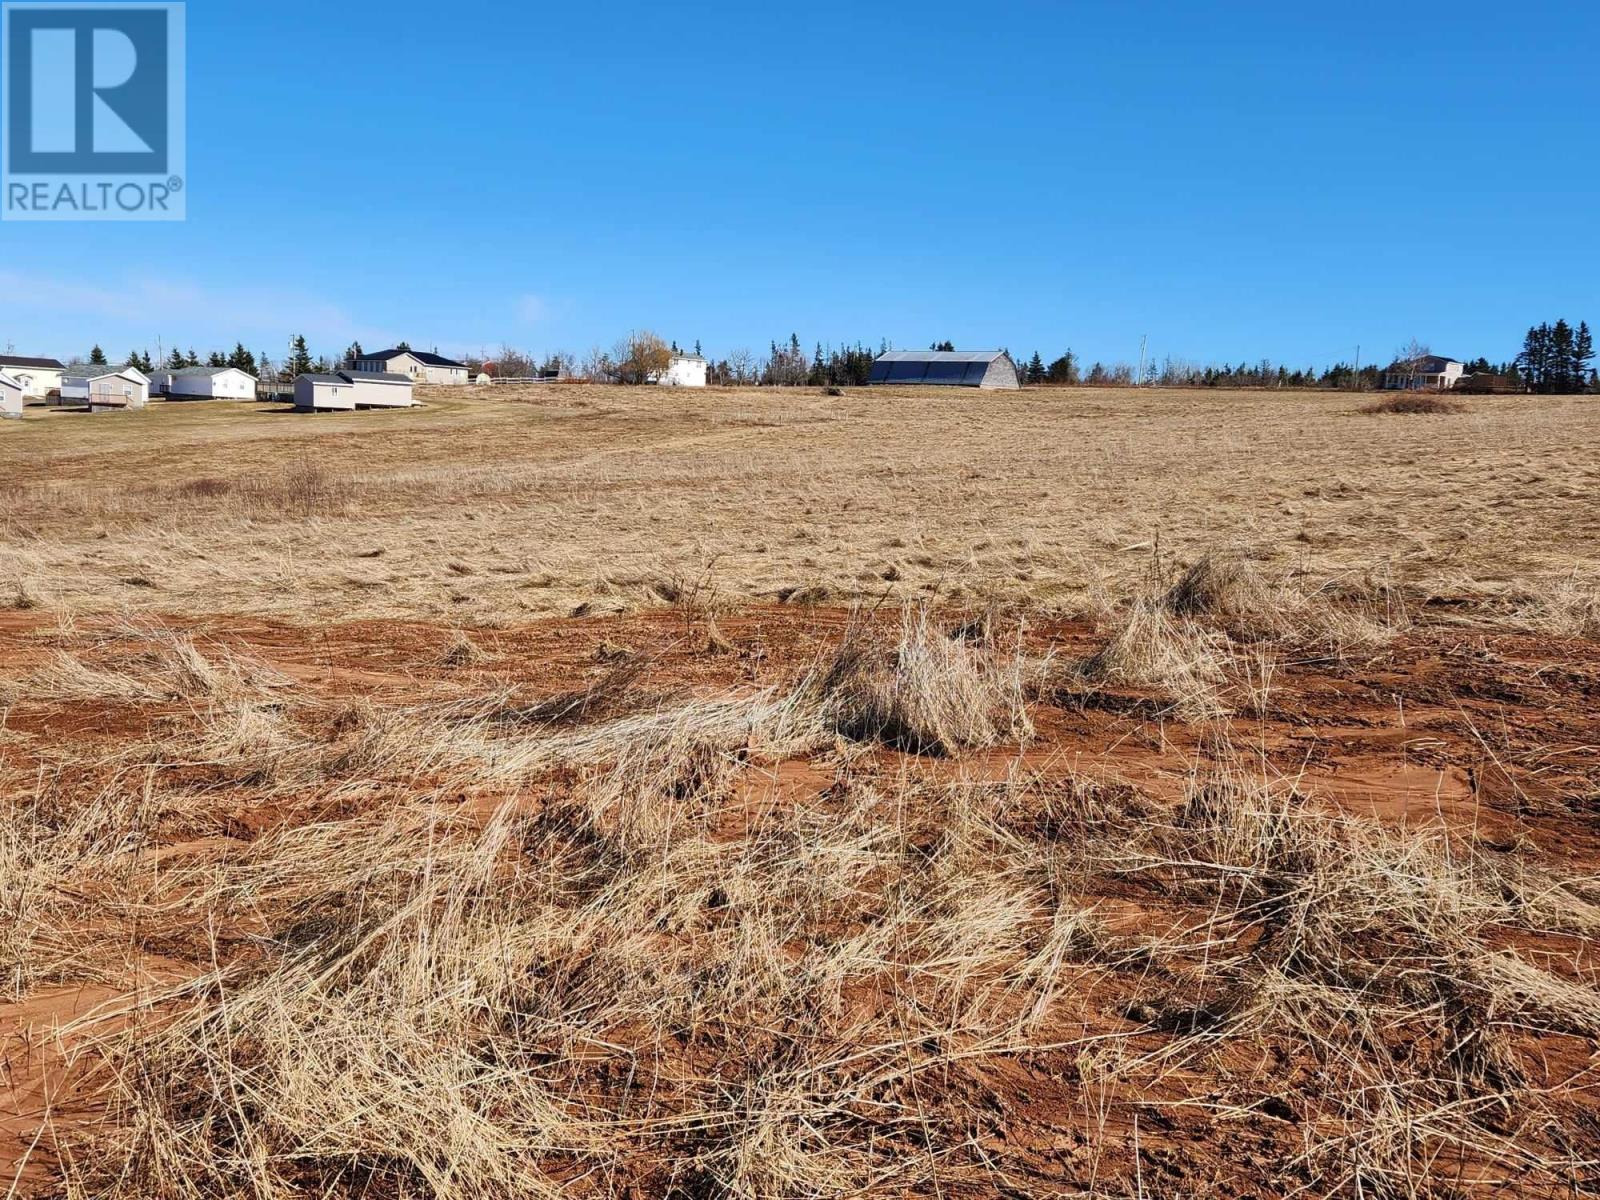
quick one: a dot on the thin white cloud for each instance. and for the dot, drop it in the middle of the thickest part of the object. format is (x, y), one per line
(532, 309)
(140, 310)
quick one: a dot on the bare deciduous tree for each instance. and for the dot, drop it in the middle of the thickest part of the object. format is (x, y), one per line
(640, 357)
(742, 364)
(1409, 359)
(596, 366)
(511, 363)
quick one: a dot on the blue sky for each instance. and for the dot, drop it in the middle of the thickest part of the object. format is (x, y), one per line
(1235, 180)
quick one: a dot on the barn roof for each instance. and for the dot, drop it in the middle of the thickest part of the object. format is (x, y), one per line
(9, 360)
(322, 378)
(374, 377)
(949, 356)
(946, 368)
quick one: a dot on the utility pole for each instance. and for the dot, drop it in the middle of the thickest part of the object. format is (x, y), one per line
(1139, 382)
(1355, 383)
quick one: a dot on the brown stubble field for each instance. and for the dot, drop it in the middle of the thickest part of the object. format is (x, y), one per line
(599, 792)
(532, 504)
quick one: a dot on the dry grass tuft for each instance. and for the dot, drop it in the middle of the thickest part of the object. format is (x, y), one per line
(1151, 650)
(23, 597)
(1413, 402)
(1566, 607)
(932, 694)
(461, 652)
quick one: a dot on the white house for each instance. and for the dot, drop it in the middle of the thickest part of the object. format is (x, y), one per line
(102, 387)
(1430, 374)
(684, 370)
(349, 390)
(10, 396)
(205, 383)
(38, 376)
(417, 365)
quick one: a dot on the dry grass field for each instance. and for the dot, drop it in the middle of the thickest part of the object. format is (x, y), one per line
(616, 793)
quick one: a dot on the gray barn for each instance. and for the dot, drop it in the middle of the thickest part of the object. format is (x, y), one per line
(946, 368)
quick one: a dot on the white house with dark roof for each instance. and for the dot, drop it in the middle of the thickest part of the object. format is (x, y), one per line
(10, 396)
(38, 376)
(1433, 373)
(103, 387)
(346, 391)
(204, 383)
(420, 366)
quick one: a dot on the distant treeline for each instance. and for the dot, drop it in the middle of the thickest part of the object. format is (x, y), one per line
(1556, 358)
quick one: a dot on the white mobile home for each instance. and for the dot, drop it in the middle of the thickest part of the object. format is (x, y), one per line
(102, 387)
(10, 396)
(38, 376)
(419, 366)
(349, 390)
(324, 393)
(204, 383)
(684, 370)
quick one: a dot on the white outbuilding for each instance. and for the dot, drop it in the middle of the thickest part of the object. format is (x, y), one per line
(38, 376)
(102, 387)
(204, 383)
(684, 370)
(10, 396)
(349, 390)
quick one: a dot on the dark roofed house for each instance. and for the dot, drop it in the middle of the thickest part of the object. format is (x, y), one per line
(38, 377)
(419, 366)
(1431, 373)
(946, 368)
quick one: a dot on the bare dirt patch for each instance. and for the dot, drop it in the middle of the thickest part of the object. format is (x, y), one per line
(802, 900)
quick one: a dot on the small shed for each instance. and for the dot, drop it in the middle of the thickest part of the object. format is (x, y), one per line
(205, 383)
(324, 393)
(989, 369)
(10, 396)
(103, 388)
(349, 390)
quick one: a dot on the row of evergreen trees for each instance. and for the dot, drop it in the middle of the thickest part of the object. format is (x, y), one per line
(299, 361)
(1556, 359)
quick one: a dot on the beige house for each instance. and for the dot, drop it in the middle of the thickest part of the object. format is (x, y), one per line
(102, 387)
(419, 366)
(38, 376)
